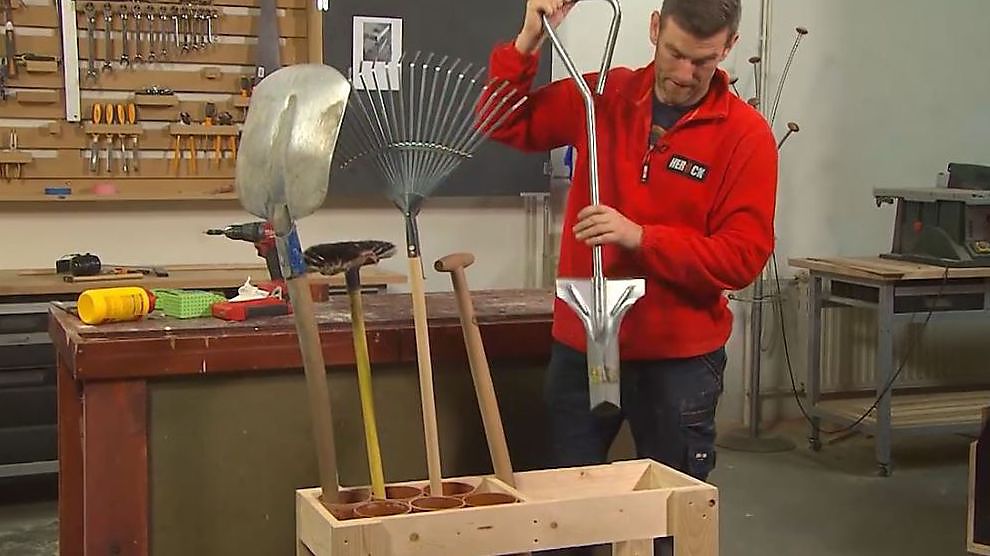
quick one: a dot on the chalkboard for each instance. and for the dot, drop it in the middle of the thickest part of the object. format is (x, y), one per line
(454, 28)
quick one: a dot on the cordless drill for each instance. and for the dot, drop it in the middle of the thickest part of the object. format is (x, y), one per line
(263, 238)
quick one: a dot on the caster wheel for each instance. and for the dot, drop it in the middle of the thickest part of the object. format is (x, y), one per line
(883, 470)
(815, 444)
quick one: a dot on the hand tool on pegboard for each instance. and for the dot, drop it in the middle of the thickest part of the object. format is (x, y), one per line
(132, 119)
(455, 264)
(121, 116)
(9, 42)
(12, 170)
(108, 114)
(124, 12)
(137, 15)
(163, 36)
(108, 37)
(209, 114)
(304, 100)
(94, 145)
(91, 72)
(225, 119)
(152, 17)
(348, 257)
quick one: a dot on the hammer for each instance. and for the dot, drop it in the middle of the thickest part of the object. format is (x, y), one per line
(455, 264)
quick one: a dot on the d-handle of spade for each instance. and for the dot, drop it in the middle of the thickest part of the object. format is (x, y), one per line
(454, 264)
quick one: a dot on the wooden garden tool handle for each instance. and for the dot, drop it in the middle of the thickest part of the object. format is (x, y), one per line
(425, 365)
(316, 384)
(485, 390)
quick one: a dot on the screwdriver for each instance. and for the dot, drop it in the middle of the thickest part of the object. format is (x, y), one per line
(132, 119)
(94, 152)
(123, 138)
(108, 112)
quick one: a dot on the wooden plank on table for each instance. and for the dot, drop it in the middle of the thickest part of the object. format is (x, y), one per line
(115, 467)
(883, 269)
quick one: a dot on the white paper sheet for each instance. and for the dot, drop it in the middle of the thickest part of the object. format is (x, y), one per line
(377, 48)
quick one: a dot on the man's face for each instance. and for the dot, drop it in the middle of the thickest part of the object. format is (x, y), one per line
(685, 64)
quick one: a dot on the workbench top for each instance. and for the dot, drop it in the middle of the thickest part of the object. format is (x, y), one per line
(885, 270)
(46, 282)
(158, 346)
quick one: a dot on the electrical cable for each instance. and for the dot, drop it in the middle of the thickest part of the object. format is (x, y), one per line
(887, 387)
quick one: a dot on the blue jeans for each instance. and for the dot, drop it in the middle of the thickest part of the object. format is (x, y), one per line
(670, 405)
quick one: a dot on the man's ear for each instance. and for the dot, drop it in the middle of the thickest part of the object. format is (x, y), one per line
(655, 27)
(729, 46)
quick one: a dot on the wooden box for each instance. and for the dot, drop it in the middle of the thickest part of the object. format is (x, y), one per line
(624, 504)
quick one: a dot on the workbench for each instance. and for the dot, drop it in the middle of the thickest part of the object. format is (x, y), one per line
(191, 437)
(899, 292)
(27, 361)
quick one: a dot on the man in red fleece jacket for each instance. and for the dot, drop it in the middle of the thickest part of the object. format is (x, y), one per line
(688, 179)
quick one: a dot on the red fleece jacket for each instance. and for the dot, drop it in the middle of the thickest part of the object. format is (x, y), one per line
(706, 203)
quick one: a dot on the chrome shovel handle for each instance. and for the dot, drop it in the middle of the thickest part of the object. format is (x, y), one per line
(598, 277)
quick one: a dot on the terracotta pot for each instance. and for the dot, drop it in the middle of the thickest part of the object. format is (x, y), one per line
(434, 503)
(489, 499)
(349, 499)
(452, 488)
(402, 492)
(381, 508)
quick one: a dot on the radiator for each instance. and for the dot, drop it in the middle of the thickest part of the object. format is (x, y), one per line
(943, 353)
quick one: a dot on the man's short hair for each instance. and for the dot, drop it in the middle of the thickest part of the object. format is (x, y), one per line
(703, 18)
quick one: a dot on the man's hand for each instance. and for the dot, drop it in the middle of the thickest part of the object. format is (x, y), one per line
(602, 225)
(531, 37)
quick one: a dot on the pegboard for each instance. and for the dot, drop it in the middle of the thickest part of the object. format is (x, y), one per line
(187, 62)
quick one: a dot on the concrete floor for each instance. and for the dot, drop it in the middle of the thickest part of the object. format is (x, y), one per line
(792, 503)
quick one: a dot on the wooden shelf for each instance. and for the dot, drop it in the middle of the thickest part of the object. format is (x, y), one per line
(15, 157)
(112, 129)
(201, 129)
(915, 410)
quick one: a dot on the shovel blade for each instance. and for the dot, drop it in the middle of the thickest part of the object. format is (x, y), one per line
(603, 338)
(287, 142)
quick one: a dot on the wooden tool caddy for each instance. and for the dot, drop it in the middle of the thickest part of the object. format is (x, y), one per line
(53, 148)
(626, 504)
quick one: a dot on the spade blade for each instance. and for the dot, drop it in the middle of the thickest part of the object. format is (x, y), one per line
(287, 142)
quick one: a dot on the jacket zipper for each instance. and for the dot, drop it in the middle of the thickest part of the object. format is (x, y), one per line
(660, 145)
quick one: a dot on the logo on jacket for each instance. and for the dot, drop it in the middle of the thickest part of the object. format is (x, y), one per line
(690, 168)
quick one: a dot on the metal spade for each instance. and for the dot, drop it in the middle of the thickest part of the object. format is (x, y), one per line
(601, 304)
(282, 175)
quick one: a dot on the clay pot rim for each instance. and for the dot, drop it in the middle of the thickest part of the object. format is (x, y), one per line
(509, 499)
(458, 501)
(471, 489)
(407, 508)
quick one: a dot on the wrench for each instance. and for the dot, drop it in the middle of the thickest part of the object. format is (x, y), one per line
(138, 58)
(186, 28)
(175, 20)
(209, 26)
(124, 16)
(163, 38)
(91, 33)
(108, 20)
(152, 33)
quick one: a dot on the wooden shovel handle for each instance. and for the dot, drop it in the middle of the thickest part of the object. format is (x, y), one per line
(316, 384)
(454, 261)
(425, 365)
(480, 372)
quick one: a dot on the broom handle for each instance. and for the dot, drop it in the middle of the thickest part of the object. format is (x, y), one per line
(425, 374)
(367, 398)
(485, 390)
(316, 384)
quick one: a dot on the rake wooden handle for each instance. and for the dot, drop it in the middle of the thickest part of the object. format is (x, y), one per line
(316, 384)
(480, 372)
(425, 365)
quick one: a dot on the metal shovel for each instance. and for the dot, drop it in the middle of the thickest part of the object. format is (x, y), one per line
(609, 299)
(282, 175)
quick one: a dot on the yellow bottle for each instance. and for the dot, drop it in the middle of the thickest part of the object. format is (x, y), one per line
(103, 305)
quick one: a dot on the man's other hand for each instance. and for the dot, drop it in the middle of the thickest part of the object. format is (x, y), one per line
(602, 224)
